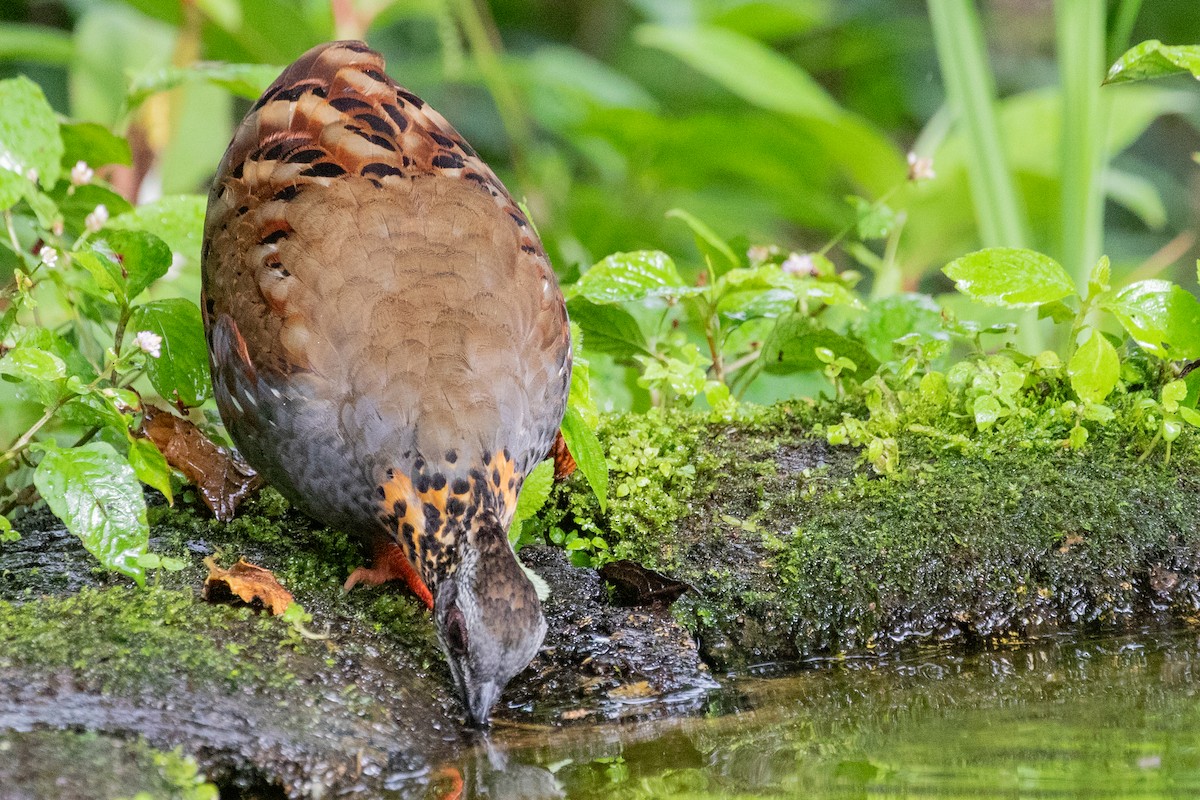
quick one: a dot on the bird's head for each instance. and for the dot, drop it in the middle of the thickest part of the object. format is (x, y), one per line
(488, 617)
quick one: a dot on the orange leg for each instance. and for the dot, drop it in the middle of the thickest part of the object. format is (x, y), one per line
(391, 564)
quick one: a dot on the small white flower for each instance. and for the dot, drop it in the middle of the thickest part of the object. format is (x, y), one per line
(799, 264)
(758, 253)
(96, 220)
(32, 175)
(49, 256)
(81, 173)
(148, 342)
(58, 226)
(920, 168)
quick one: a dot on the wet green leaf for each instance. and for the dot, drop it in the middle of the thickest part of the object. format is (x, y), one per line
(28, 363)
(1005, 276)
(533, 495)
(93, 144)
(1094, 367)
(29, 139)
(792, 344)
(97, 496)
(608, 329)
(1160, 316)
(243, 80)
(181, 371)
(178, 220)
(630, 276)
(585, 448)
(1153, 59)
(151, 467)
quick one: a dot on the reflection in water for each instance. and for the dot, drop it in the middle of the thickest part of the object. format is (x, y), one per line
(1103, 718)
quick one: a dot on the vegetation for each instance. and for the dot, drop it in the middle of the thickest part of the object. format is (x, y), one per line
(656, 136)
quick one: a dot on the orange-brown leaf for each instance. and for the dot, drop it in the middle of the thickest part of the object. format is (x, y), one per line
(247, 582)
(564, 463)
(222, 477)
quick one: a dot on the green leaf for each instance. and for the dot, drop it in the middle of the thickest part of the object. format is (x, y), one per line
(608, 329)
(585, 448)
(872, 220)
(96, 495)
(1153, 59)
(720, 255)
(243, 80)
(178, 220)
(1161, 317)
(28, 363)
(93, 144)
(151, 467)
(181, 371)
(791, 347)
(76, 205)
(891, 318)
(534, 493)
(630, 276)
(745, 67)
(1100, 278)
(29, 138)
(141, 258)
(1005, 276)
(1094, 368)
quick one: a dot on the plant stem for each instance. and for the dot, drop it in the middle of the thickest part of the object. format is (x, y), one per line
(1080, 33)
(962, 54)
(1122, 29)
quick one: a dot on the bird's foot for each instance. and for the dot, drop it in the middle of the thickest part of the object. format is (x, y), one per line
(391, 564)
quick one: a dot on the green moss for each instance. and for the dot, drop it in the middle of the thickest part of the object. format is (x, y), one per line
(123, 639)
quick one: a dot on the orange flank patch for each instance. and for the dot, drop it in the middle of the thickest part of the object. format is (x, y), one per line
(246, 582)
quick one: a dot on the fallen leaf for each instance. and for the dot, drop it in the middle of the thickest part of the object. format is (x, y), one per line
(247, 582)
(222, 477)
(564, 463)
(636, 585)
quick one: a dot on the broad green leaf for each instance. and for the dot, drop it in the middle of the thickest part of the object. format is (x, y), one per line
(891, 318)
(768, 291)
(585, 448)
(630, 276)
(534, 492)
(1005, 276)
(745, 67)
(75, 205)
(580, 395)
(96, 495)
(181, 371)
(151, 467)
(243, 80)
(1160, 316)
(872, 220)
(987, 411)
(1153, 59)
(143, 258)
(608, 329)
(1100, 278)
(29, 138)
(791, 347)
(1094, 368)
(720, 255)
(93, 144)
(28, 363)
(177, 220)
(1138, 194)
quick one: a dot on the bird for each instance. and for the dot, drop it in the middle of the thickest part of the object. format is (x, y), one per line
(388, 344)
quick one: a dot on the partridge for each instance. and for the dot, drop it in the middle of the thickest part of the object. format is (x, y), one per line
(388, 343)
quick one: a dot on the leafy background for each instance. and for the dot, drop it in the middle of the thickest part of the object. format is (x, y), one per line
(723, 186)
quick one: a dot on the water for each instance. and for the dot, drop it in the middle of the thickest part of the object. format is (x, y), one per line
(1103, 718)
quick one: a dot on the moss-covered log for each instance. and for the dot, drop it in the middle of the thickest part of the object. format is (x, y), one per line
(792, 549)
(797, 549)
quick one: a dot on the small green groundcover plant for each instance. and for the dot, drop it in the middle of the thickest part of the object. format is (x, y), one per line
(95, 313)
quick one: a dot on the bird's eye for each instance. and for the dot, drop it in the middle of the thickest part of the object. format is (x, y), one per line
(456, 633)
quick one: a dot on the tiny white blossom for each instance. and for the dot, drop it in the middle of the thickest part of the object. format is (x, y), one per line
(96, 220)
(58, 226)
(81, 173)
(920, 168)
(32, 175)
(49, 256)
(799, 264)
(148, 342)
(758, 253)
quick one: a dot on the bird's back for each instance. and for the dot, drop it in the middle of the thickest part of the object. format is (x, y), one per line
(384, 325)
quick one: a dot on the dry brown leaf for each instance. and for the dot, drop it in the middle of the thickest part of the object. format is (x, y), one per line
(636, 585)
(564, 463)
(222, 477)
(247, 582)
